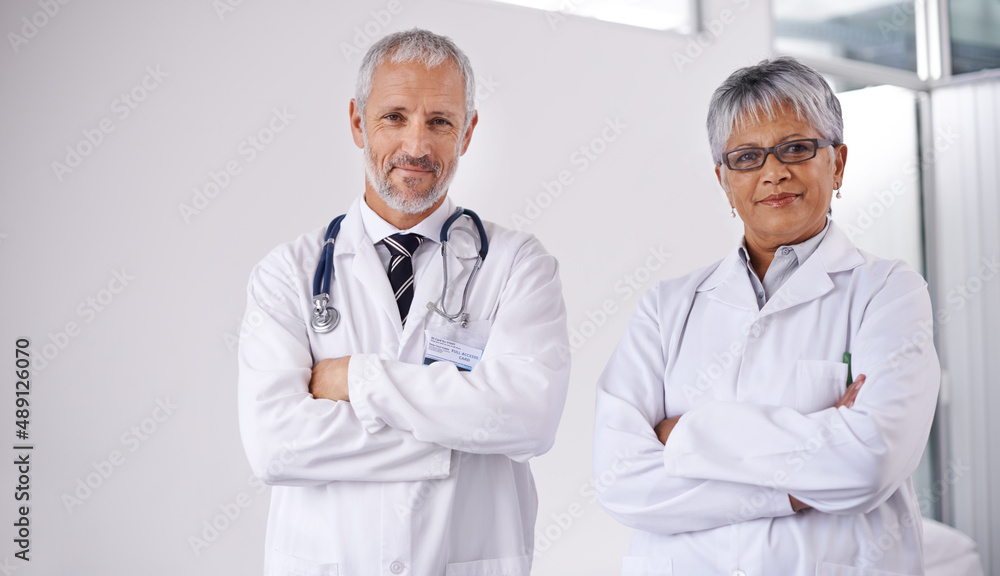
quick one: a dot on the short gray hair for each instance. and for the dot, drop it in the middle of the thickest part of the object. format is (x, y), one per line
(414, 45)
(765, 88)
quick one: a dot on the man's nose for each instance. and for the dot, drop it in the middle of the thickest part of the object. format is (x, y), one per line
(415, 142)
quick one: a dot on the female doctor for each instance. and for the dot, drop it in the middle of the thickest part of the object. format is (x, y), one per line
(763, 415)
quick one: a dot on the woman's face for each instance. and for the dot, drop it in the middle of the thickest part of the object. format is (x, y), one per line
(782, 204)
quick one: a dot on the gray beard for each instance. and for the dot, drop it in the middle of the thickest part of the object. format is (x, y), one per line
(405, 201)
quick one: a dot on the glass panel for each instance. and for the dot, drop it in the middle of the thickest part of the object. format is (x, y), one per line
(875, 31)
(975, 35)
(654, 14)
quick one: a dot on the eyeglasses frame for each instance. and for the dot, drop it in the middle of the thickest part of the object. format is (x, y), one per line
(818, 142)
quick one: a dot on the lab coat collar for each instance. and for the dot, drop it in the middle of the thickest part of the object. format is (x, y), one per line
(354, 244)
(729, 282)
(377, 229)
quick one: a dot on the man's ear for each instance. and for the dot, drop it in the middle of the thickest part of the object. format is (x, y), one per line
(356, 130)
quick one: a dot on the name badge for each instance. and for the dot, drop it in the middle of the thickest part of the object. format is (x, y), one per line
(444, 350)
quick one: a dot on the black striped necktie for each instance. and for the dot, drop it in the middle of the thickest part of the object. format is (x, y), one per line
(401, 248)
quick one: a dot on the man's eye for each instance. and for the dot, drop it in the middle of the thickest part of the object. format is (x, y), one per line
(440, 122)
(393, 117)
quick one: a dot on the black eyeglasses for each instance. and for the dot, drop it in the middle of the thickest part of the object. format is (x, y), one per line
(787, 152)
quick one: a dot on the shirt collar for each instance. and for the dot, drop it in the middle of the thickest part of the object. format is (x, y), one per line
(377, 229)
(802, 250)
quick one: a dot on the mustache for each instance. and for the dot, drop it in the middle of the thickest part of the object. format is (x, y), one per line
(423, 162)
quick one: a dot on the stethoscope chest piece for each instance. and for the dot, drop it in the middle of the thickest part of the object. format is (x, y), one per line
(325, 318)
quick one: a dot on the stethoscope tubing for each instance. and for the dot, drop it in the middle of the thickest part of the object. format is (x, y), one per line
(325, 318)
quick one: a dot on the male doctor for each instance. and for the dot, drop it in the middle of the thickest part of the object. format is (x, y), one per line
(398, 442)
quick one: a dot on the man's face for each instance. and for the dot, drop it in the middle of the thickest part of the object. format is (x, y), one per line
(413, 133)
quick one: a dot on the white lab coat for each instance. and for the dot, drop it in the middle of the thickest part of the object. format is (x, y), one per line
(756, 389)
(425, 471)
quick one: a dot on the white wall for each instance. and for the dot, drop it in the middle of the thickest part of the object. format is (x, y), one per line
(547, 91)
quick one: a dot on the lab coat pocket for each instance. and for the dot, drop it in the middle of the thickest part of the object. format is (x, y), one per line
(827, 569)
(514, 566)
(282, 564)
(819, 384)
(646, 566)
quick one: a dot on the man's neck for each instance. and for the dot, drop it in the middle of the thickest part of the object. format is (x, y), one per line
(401, 220)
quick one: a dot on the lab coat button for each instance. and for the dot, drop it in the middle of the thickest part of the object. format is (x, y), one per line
(739, 573)
(396, 567)
(755, 330)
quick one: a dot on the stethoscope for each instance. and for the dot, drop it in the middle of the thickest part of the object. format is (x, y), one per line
(325, 317)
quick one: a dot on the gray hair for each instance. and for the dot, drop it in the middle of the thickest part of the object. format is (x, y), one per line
(765, 88)
(414, 45)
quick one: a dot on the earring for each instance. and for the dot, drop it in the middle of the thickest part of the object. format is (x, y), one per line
(733, 213)
(838, 190)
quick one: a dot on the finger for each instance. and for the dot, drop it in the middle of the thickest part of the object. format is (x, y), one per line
(852, 393)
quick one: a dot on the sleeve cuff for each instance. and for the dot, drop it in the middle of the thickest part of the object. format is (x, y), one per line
(362, 372)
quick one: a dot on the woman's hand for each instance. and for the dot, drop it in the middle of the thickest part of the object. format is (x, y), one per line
(847, 400)
(664, 428)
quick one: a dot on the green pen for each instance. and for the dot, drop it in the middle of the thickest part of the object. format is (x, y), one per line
(847, 360)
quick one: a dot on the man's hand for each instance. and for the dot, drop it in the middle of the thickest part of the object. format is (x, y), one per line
(329, 379)
(846, 401)
(664, 428)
